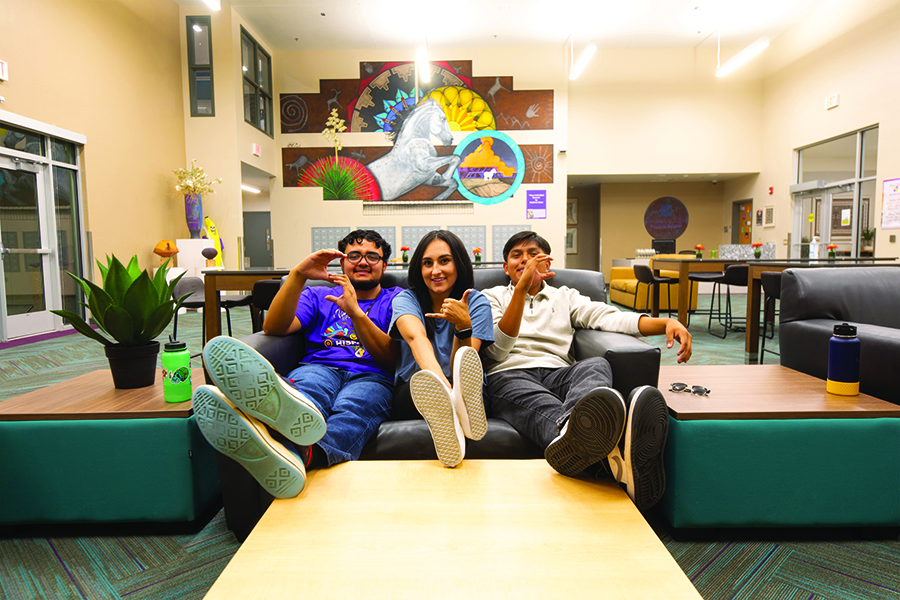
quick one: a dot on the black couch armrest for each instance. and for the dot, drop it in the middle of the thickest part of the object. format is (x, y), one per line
(283, 352)
(634, 362)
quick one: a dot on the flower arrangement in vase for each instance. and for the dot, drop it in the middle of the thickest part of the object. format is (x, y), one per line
(757, 249)
(699, 250)
(477, 253)
(832, 250)
(404, 250)
(193, 183)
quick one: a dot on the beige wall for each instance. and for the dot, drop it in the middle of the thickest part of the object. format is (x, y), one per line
(296, 210)
(112, 72)
(623, 206)
(588, 226)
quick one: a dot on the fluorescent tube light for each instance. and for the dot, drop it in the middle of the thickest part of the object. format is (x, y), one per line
(213, 4)
(247, 188)
(197, 28)
(742, 57)
(583, 59)
(422, 64)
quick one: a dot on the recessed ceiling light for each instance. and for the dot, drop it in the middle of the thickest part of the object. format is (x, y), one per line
(250, 189)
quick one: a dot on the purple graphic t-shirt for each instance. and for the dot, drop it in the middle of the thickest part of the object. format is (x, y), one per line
(330, 337)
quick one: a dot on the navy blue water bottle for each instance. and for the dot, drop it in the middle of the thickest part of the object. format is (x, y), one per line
(843, 361)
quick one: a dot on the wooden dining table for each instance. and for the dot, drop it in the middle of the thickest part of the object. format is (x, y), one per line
(686, 266)
(216, 281)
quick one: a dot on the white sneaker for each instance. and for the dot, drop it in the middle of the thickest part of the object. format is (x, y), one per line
(250, 383)
(433, 399)
(244, 439)
(468, 380)
(638, 460)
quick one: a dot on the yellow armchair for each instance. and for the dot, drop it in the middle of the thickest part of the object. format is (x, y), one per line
(624, 287)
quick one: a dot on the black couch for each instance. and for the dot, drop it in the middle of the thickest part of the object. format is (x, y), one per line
(813, 301)
(633, 361)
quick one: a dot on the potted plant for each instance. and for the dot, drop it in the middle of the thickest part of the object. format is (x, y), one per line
(699, 250)
(193, 183)
(477, 253)
(867, 239)
(131, 309)
(757, 249)
(404, 250)
(832, 251)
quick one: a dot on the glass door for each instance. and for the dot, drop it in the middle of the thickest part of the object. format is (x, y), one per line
(25, 248)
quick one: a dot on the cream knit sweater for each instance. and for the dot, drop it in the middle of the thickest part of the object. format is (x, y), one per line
(548, 326)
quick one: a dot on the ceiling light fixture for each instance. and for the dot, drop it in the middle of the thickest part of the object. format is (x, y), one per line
(213, 4)
(422, 63)
(197, 28)
(583, 59)
(247, 188)
(741, 58)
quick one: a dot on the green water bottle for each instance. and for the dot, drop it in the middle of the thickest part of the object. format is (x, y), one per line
(176, 362)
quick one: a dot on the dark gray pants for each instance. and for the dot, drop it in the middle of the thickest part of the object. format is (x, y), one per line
(537, 402)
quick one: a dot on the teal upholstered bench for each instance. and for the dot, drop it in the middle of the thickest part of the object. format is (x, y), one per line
(82, 451)
(769, 447)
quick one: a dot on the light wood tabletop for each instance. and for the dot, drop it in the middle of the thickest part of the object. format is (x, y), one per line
(762, 392)
(93, 396)
(486, 529)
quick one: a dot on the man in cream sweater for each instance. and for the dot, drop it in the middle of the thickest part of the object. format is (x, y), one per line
(570, 408)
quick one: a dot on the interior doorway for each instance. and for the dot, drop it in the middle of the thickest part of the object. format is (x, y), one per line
(742, 222)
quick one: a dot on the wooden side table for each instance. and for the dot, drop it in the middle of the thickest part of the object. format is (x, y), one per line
(83, 451)
(770, 447)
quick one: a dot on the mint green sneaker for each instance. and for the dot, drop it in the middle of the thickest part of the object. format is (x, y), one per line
(245, 440)
(252, 385)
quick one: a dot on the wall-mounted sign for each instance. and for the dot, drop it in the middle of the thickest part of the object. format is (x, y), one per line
(666, 218)
(257, 150)
(536, 204)
(491, 167)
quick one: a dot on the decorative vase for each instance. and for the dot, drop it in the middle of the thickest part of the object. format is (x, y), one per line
(757, 253)
(193, 212)
(405, 257)
(699, 254)
(832, 254)
(133, 366)
(477, 258)
(713, 253)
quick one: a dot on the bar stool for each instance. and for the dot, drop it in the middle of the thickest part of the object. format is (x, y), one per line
(713, 277)
(771, 284)
(734, 275)
(645, 275)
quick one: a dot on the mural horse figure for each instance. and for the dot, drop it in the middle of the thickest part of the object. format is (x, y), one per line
(413, 160)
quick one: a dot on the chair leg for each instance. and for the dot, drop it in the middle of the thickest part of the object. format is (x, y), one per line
(669, 298)
(228, 319)
(717, 297)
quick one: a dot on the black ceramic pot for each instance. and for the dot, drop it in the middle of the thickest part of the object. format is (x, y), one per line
(133, 366)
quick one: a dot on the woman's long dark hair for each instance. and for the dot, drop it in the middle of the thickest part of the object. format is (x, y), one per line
(465, 279)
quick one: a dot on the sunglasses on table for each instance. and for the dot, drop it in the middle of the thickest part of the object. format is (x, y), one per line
(372, 258)
(697, 390)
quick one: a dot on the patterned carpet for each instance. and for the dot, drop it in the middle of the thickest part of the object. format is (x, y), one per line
(117, 563)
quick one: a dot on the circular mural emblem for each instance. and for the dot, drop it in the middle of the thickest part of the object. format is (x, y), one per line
(666, 218)
(491, 167)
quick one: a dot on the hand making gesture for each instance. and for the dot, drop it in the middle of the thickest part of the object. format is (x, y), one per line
(347, 301)
(455, 311)
(315, 266)
(537, 270)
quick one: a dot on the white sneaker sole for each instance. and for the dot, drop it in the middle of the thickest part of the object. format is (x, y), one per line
(591, 433)
(468, 382)
(433, 401)
(250, 383)
(245, 440)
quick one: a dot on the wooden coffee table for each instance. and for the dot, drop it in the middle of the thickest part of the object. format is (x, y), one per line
(83, 451)
(486, 529)
(770, 447)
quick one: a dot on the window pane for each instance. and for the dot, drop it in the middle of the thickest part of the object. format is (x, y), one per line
(842, 223)
(19, 139)
(68, 239)
(870, 153)
(264, 73)
(21, 226)
(62, 151)
(250, 114)
(866, 219)
(247, 57)
(201, 43)
(203, 91)
(829, 161)
(264, 114)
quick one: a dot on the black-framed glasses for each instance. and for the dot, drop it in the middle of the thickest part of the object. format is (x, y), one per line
(372, 258)
(697, 390)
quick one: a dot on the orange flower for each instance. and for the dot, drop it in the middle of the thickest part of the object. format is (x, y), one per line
(476, 250)
(404, 248)
(699, 247)
(757, 244)
(831, 247)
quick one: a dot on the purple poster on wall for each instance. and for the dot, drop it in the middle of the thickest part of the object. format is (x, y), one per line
(666, 218)
(536, 204)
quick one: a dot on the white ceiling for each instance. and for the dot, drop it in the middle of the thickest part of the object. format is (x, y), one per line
(380, 24)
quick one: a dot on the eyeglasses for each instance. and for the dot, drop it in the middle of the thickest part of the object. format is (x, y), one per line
(697, 390)
(372, 258)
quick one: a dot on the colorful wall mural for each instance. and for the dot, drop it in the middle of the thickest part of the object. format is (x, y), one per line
(486, 168)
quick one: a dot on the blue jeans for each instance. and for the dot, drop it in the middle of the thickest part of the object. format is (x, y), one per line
(353, 404)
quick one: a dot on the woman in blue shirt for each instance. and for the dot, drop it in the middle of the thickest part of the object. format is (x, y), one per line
(441, 323)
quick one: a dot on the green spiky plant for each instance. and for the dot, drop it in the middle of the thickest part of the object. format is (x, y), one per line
(131, 308)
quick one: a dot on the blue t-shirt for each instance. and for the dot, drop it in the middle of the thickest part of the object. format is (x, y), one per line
(331, 339)
(406, 303)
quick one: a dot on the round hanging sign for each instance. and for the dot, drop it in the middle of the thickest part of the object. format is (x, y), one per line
(666, 218)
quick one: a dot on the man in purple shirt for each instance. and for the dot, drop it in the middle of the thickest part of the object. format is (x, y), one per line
(339, 394)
